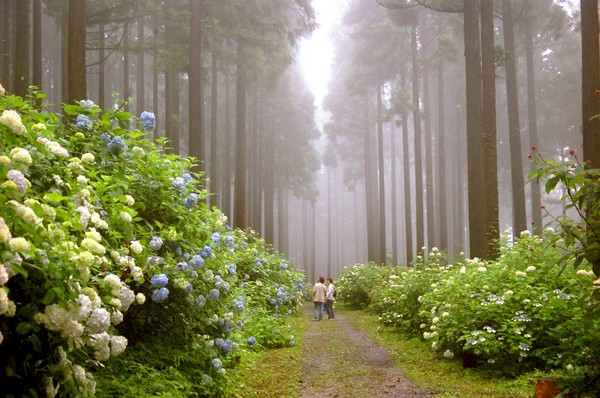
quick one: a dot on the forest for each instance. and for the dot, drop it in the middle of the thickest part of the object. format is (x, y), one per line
(377, 178)
(174, 149)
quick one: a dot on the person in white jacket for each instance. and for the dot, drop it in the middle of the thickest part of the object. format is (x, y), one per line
(319, 298)
(330, 298)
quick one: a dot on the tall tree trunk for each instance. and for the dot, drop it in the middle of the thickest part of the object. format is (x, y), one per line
(488, 67)
(536, 203)
(23, 49)
(516, 155)
(214, 105)
(408, 235)
(4, 40)
(101, 67)
(429, 185)
(37, 44)
(239, 217)
(125, 45)
(195, 92)
(228, 151)
(590, 81)
(77, 77)
(416, 97)
(475, 141)
(140, 85)
(394, 190)
(441, 135)
(371, 199)
(155, 69)
(270, 187)
(381, 177)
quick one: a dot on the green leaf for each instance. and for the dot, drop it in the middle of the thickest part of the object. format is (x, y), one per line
(23, 328)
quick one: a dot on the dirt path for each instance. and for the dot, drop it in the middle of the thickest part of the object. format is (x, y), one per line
(342, 362)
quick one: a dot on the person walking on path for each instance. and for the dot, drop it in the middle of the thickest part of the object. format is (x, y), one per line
(330, 298)
(319, 298)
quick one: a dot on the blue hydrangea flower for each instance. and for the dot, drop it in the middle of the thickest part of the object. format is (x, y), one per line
(197, 262)
(179, 183)
(187, 177)
(155, 260)
(156, 243)
(86, 104)
(190, 200)
(201, 301)
(213, 295)
(117, 145)
(238, 304)
(182, 266)
(105, 138)
(228, 241)
(217, 363)
(216, 238)
(83, 123)
(251, 340)
(159, 280)
(232, 269)
(283, 265)
(206, 252)
(148, 120)
(160, 295)
(224, 346)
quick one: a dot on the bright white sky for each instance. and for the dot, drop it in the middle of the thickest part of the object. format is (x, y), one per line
(316, 52)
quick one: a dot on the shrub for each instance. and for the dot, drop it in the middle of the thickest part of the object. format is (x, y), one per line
(111, 264)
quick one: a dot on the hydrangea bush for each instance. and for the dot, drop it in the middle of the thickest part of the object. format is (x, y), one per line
(514, 315)
(113, 269)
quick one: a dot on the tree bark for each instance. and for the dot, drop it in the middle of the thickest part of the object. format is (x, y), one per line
(536, 203)
(590, 81)
(239, 217)
(77, 75)
(408, 235)
(441, 135)
(23, 49)
(475, 142)
(488, 67)
(381, 178)
(195, 92)
(140, 83)
(214, 106)
(417, 137)
(37, 44)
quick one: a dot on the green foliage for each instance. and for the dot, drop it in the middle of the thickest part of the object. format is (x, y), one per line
(115, 277)
(513, 315)
(581, 185)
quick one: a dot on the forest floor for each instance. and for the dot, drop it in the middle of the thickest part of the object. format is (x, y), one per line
(340, 361)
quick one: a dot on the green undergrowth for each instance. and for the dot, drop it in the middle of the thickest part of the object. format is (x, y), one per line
(274, 372)
(446, 378)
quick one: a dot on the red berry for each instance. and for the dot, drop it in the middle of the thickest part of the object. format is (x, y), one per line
(533, 148)
(572, 152)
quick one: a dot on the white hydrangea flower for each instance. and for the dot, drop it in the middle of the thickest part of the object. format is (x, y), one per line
(136, 247)
(531, 268)
(116, 317)
(93, 234)
(138, 152)
(99, 321)
(140, 298)
(114, 282)
(117, 345)
(100, 343)
(126, 297)
(3, 274)
(21, 155)
(1, 337)
(88, 158)
(57, 180)
(129, 200)
(125, 216)
(82, 308)
(5, 234)
(136, 273)
(12, 120)
(20, 245)
(93, 246)
(98, 222)
(82, 180)
(2, 90)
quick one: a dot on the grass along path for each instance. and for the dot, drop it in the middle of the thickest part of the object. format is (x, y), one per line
(350, 358)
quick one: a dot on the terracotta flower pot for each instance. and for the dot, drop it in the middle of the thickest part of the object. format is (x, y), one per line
(547, 388)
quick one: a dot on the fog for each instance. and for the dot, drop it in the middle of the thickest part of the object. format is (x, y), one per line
(342, 132)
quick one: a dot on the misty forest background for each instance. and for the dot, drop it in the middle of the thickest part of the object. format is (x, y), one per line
(422, 139)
